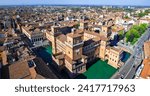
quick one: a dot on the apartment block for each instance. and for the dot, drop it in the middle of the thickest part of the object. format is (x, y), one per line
(35, 34)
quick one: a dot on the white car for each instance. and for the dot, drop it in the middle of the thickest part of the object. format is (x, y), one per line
(138, 72)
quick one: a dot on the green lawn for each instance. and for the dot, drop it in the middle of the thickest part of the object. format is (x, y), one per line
(99, 70)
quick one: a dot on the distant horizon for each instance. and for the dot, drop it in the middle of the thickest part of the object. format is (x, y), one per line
(72, 5)
(77, 2)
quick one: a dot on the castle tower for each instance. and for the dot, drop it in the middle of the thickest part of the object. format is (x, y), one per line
(103, 46)
(54, 33)
(106, 31)
(73, 58)
(83, 25)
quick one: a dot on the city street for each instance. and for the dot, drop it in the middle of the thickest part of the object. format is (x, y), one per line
(128, 70)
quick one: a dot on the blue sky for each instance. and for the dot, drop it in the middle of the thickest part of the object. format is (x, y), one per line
(96, 2)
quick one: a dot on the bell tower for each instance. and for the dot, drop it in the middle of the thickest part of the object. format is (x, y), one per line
(103, 45)
(106, 31)
(83, 25)
(54, 33)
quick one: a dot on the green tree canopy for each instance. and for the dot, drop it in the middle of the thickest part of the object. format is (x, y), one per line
(135, 32)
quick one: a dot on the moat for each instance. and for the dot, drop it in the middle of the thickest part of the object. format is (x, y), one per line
(99, 70)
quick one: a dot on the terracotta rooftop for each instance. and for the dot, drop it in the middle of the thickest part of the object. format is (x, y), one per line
(126, 19)
(2, 48)
(43, 70)
(69, 23)
(37, 30)
(92, 33)
(62, 38)
(96, 39)
(116, 49)
(103, 38)
(74, 35)
(146, 70)
(31, 30)
(117, 28)
(19, 70)
(39, 77)
(147, 48)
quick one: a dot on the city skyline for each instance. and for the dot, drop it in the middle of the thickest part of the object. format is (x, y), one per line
(77, 2)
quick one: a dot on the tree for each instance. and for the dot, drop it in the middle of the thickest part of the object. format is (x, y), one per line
(135, 33)
(136, 27)
(142, 14)
(147, 11)
(144, 25)
(143, 28)
(126, 17)
(128, 34)
(131, 37)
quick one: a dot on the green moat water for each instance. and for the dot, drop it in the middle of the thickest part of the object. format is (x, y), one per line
(45, 53)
